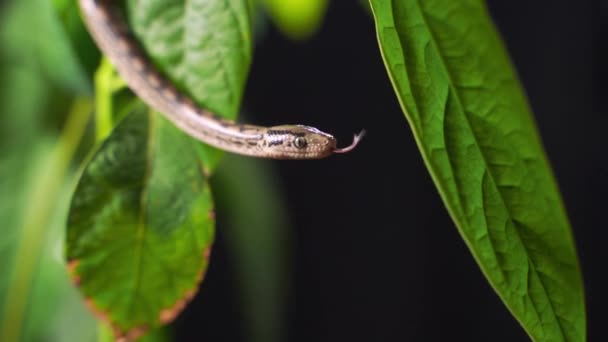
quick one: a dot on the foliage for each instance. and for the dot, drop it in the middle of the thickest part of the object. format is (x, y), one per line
(475, 131)
(60, 76)
(140, 224)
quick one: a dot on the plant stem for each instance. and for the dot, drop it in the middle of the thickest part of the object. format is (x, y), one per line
(33, 231)
(105, 84)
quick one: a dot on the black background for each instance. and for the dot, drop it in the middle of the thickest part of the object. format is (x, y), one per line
(376, 257)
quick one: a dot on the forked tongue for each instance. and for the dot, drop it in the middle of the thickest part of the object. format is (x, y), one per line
(349, 148)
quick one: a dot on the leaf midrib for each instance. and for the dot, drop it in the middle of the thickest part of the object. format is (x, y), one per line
(143, 199)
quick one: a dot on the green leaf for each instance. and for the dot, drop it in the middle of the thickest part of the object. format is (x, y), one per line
(203, 46)
(297, 19)
(474, 128)
(141, 225)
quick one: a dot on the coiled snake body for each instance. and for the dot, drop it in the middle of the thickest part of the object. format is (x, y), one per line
(115, 40)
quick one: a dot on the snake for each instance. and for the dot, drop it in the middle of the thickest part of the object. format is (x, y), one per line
(117, 42)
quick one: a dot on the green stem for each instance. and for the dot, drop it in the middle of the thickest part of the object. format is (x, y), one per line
(105, 85)
(37, 216)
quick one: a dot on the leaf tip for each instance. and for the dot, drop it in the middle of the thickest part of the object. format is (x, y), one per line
(121, 336)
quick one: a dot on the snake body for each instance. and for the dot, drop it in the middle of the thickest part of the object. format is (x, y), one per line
(112, 35)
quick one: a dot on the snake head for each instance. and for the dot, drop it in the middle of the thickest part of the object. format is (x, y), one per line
(297, 142)
(301, 142)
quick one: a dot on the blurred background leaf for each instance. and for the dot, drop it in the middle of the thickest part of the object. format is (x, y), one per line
(296, 19)
(36, 186)
(257, 233)
(33, 31)
(38, 73)
(82, 46)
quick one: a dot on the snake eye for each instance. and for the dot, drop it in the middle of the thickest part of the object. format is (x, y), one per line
(300, 142)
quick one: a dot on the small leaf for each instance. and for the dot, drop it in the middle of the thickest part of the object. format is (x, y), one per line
(141, 225)
(474, 128)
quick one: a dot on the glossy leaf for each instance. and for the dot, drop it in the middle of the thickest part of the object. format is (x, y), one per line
(474, 128)
(203, 46)
(141, 225)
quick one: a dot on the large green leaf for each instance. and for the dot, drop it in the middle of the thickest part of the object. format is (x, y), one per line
(203, 46)
(475, 131)
(141, 226)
